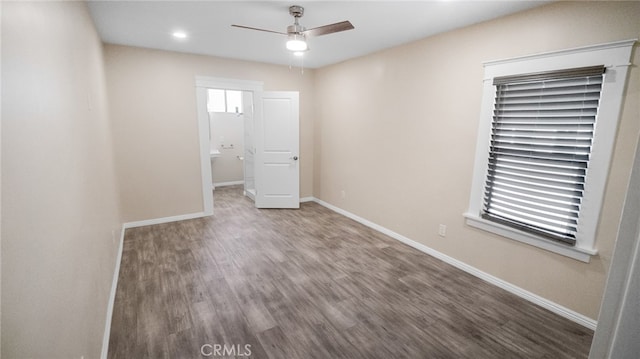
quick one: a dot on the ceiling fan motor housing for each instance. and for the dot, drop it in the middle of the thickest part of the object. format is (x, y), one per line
(296, 11)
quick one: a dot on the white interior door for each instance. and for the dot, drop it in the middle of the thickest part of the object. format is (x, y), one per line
(277, 149)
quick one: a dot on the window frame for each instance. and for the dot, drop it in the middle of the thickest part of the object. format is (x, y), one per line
(615, 56)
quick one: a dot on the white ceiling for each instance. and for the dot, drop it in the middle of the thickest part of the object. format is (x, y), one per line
(378, 25)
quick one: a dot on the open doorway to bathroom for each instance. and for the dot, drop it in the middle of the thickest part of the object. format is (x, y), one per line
(231, 138)
(248, 89)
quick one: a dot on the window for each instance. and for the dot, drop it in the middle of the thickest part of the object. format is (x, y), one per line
(224, 101)
(546, 136)
(541, 137)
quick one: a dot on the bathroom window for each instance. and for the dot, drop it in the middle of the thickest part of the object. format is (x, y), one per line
(224, 101)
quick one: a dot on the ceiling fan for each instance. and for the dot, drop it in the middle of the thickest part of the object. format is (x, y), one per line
(298, 34)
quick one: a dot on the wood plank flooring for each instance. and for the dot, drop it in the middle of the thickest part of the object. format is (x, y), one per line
(311, 283)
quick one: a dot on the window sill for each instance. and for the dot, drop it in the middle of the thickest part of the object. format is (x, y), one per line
(576, 252)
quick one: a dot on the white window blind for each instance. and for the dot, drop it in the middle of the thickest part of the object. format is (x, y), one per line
(541, 137)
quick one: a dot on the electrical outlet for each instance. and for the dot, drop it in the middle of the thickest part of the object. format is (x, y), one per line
(442, 230)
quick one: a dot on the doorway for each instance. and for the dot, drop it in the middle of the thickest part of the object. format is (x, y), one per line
(270, 146)
(231, 138)
(203, 84)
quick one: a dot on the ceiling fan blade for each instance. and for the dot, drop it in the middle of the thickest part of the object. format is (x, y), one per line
(255, 28)
(329, 29)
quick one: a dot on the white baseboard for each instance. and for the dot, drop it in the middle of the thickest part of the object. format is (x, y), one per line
(307, 199)
(230, 183)
(112, 298)
(148, 222)
(522, 293)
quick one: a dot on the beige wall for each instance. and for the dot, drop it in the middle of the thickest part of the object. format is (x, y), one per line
(153, 109)
(59, 201)
(396, 131)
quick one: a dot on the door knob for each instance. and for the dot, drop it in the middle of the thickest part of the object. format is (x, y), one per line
(295, 158)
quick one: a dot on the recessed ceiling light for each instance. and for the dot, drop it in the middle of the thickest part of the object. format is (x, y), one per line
(179, 34)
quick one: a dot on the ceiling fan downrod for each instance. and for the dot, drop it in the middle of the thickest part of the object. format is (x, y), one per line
(297, 12)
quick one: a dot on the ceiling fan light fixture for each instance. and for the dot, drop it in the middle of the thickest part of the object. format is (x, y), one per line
(297, 43)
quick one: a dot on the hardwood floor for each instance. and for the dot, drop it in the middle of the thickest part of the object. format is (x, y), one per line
(311, 283)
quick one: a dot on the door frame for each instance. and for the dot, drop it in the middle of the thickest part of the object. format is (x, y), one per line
(614, 329)
(203, 83)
